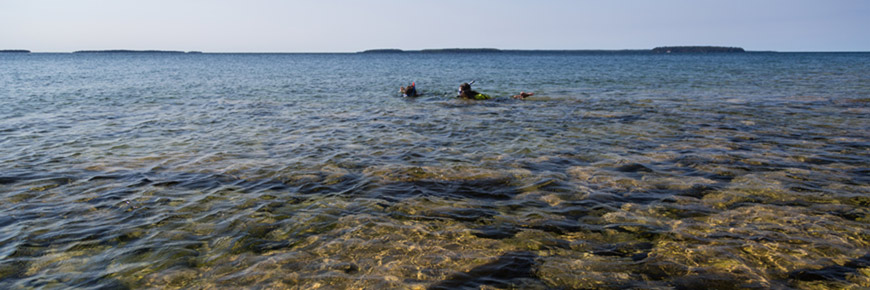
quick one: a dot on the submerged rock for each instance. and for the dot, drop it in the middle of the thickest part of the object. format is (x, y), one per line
(508, 271)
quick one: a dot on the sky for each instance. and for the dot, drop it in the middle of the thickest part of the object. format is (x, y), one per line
(353, 25)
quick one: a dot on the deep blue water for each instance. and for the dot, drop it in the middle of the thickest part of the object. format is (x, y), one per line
(311, 171)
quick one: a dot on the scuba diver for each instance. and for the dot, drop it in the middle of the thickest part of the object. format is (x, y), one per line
(465, 92)
(409, 91)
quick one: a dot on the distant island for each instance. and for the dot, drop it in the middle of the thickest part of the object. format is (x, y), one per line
(461, 50)
(14, 51)
(388, 50)
(133, 51)
(697, 49)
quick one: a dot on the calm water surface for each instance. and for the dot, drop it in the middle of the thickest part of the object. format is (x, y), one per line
(308, 171)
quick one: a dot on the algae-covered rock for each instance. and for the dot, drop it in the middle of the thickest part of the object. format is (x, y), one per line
(765, 241)
(176, 278)
(10, 270)
(860, 200)
(599, 178)
(689, 265)
(431, 173)
(750, 189)
(588, 271)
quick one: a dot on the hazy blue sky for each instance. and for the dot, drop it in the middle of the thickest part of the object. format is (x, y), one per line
(351, 25)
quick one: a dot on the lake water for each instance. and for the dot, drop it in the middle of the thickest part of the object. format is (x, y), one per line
(309, 171)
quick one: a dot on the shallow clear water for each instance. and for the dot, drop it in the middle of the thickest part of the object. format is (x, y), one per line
(308, 171)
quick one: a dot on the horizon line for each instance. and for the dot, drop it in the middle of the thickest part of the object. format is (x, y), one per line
(397, 50)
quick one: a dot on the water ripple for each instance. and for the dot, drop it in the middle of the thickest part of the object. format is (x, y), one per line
(289, 171)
